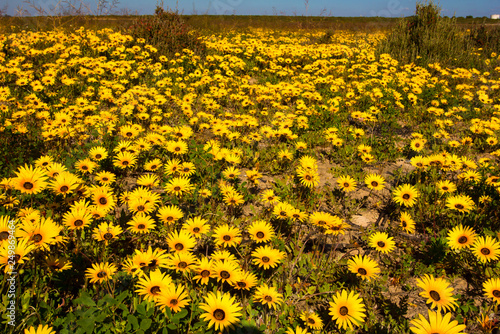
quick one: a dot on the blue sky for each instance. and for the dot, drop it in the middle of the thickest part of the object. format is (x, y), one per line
(387, 8)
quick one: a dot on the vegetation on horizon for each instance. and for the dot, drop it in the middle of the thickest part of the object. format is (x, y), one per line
(427, 37)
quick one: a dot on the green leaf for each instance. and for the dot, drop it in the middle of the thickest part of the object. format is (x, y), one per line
(182, 313)
(122, 296)
(172, 326)
(108, 300)
(124, 308)
(133, 321)
(87, 324)
(174, 319)
(145, 324)
(85, 300)
(101, 316)
(150, 311)
(141, 309)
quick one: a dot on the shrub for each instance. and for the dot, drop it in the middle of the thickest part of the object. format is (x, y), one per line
(427, 37)
(487, 38)
(167, 32)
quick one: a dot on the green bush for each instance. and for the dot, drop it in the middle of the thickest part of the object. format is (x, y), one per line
(486, 37)
(427, 38)
(167, 32)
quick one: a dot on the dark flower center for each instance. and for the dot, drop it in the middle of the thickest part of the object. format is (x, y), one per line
(485, 251)
(37, 238)
(155, 290)
(459, 206)
(219, 314)
(128, 134)
(177, 188)
(462, 240)
(182, 265)
(103, 201)
(343, 311)
(374, 183)
(226, 238)
(265, 259)
(311, 321)
(64, 189)
(346, 185)
(381, 244)
(241, 284)
(496, 293)
(205, 273)
(108, 236)
(260, 235)
(152, 263)
(404, 224)
(174, 302)
(445, 188)
(4, 235)
(268, 298)
(178, 246)
(224, 274)
(101, 274)
(435, 295)
(362, 271)
(196, 230)
(153, 167)
(140, 208)
(406, 196)
(141, 226)
(98, 156)
(78, 222)
(28, 185)
(125, 163)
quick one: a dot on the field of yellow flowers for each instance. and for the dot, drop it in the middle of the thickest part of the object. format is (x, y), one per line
(280, 182)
